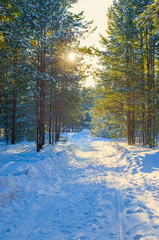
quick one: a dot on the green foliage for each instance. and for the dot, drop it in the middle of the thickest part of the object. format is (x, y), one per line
(38, 83)
(127, 92)
(150, 14)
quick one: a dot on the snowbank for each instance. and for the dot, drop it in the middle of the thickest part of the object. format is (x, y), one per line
(85, 188)
(24, 172)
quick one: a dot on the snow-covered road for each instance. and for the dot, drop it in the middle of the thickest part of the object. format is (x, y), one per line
(86, 189)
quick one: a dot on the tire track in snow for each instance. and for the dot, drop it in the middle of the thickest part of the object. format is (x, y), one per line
(117, 200)
(33, 220)
(121, 215)
(120, 199)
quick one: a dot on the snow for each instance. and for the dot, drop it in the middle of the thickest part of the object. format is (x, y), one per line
(85, 189)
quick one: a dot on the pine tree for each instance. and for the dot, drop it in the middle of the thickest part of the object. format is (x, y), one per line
(129, 76)
(38, 84)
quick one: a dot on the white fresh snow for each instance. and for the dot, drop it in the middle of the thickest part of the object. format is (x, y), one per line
(85, 189)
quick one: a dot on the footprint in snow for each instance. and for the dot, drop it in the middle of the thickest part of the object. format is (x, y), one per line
(139, 210)
(129, 211)
(137, 237)
(143, 206)
(156, 226)
(151, 217)
(81, 238)
(127, 202)
(94, 229)
(113, 235)
(78, 227)
(108, 206)
(94, 221)
(129, 189)
(130, 196)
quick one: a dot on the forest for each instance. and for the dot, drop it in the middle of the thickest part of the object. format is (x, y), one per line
(127, 102)
(40, 81)
(42, 69)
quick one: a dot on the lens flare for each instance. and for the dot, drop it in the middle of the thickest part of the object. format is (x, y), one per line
(72, 57)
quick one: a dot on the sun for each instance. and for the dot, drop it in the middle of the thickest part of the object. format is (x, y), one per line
(72, 56)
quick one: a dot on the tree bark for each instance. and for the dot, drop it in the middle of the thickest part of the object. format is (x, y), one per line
(149, 111)
(14, 104)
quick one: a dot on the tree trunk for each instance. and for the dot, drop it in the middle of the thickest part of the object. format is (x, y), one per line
(50, 114)
(149, 111)
(59, 126)
(6, 123)
(38, 139)
(53, 129)
(13, 135)
(153, 100)
(37, 131)
(143, 99)
(50, 120)
(56, 121)
(128, 103)
(133, 127)
(13, 118)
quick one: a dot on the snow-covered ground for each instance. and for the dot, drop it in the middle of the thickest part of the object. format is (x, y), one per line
(84, 189)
